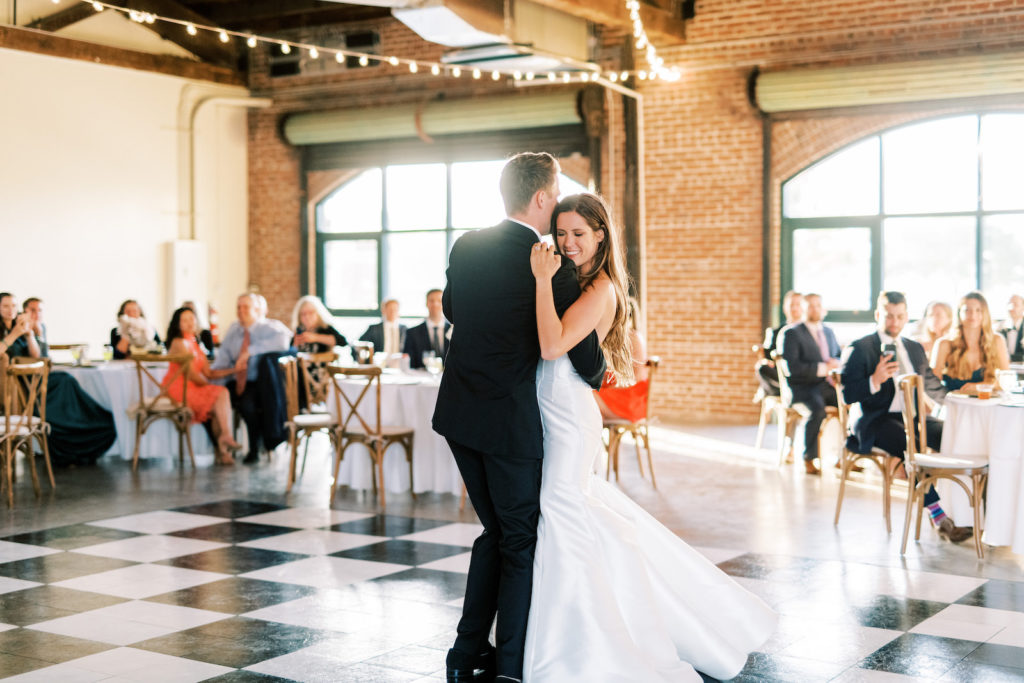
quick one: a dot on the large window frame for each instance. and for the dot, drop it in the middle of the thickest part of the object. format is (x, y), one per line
(875, 223)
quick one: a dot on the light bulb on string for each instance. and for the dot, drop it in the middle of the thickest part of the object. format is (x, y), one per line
(191, 29)
(435, 69)
(613, 77)
(224, 37)
(251, 41)
(339, 57)
(566, 77)
(551, 76)
(413, 67)
(286, 48)
(529, 75)
(518, 75)
(476, 74)
(364, 60)
(97, 6)
(624, 75)
(149, 17)
(495, 75)
(456, 72)
(393, 61)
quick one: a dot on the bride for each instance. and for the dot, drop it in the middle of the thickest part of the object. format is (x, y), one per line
(616, 595)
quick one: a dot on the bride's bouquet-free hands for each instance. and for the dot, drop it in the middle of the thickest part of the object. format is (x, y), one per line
(137, 331)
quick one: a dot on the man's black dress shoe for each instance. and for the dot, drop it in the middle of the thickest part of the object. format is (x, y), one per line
(481, 671)
(251, 458)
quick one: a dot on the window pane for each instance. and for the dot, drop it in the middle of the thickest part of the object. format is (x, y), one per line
(568, 186)
(353, 207)
(417, 197)
(836, 263)
(415, 264)
(932, 167)
(1002, 260)
(350, 274)
(1002, 161)
(929, 258)
(476, 197)
(844, 184)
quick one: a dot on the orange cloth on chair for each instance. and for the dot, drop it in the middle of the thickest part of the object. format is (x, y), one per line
(629, 403)
(200, 397)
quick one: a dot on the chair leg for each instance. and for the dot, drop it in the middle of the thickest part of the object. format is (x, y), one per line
(138, 438)
(462, 499)
(920, 515)
(636, 445)
(379, 450)
(615, 440)
(843, 471)
(181, 447)
(8, 473)
(305, 455)
(294, 447)
(887, 470)
(650, 460)
(187, 431)
(408, 456)
(911, 494)
(978, 481)
(30, 463)
(339, 453)
(46, 459)
(762, 424)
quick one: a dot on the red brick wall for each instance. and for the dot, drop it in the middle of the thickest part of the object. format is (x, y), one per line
(703, 161)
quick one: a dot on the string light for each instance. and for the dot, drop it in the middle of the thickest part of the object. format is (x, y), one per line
(657, 64)
(251, 41)
(97, 6)
(313, 53)
(393, 61)
(224, 37)
(435, 69)
(495, 75)
(339, 57)
(364, 60)
(456, 72)
(413, 67)
(476, 74)
(286, 48)
(191, 29)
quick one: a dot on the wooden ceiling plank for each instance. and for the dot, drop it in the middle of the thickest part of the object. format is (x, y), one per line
(662, 27)
(204, 44)
(64, 18)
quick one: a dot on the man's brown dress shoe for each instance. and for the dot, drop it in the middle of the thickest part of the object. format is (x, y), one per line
(953, 533)
(810, 467)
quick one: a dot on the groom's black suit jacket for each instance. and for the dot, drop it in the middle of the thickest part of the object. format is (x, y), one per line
(488, 396)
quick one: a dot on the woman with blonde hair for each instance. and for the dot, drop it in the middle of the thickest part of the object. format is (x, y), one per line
(607, 603)
(972, 351)
(314, 333)
(934, 325)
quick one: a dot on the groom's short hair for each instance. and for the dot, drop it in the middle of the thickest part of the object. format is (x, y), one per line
(523, 176)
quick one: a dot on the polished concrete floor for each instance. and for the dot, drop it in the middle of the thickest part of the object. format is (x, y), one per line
(214, 574)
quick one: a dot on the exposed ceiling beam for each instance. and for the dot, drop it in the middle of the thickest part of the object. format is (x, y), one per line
(204, 45)
(663, 28)
(65, 17)
(41, 42)
(267, 16)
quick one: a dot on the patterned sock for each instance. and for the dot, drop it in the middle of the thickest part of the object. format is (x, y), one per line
(937, 515)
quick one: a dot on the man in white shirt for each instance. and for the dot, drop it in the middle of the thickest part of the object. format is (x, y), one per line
(1013, 328)
(388, 336)
(430, 335)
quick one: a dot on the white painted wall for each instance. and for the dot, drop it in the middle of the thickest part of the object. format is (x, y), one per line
(94, 185)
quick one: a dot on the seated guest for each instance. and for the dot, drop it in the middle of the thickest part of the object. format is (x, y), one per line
(205, 335)
(972, 352)
(868, 383)
(1012, 328)
(388, 336)
(314, 333)
(132, 330)
(628, 401)
(935, 324)
(429, 335)
(811, 351)
(209, 402)
(33, 306)
(765, 372)
(245, 341)
(81, 430)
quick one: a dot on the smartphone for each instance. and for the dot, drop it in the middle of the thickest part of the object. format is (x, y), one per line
(889, 350)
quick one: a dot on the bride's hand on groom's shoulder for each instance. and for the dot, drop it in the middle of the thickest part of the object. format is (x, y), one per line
(544, 261)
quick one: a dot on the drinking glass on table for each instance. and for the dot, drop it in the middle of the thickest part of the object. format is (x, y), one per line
(432, 362)
(76, 354)
(108, 353)
(984, 391)
(1007, 380)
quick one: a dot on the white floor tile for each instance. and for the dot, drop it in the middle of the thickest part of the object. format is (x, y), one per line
(159, 522)
(717, 555)
(982, 615)
(65, 673)
(140, 665)
(104, 629)
(319, 663)
(452, 534)
(158, 614)
(326, 572)
(8, 585)
(7, 627)
(313, 542)
(455, 563)
(1011, 635)
(141, 580)
(858, 675)
(12, 552)
(151, 548)
(952, 628)
(849, 648)
(938, 587)
(305, 518)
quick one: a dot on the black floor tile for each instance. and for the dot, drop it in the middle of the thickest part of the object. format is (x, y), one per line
(897, 614)
(999, 655)
(388, 525)
(233, 560)
(60, 567)
(402, 552)
(12, 665)
(49, 647)
(71, 537)
(65, 599)
(236, 595)
(242, 676)
(237, 642)
(233, 532)
(424, 585)
(20, 608)
(230, 508)
(759, 566)
(765, 667)
(1008, 595)
(918, 655)
(973, 672)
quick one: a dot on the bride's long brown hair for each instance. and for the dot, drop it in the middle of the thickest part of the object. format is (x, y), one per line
(608, 259)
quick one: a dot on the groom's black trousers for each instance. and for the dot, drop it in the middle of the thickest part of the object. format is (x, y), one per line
(505, 493)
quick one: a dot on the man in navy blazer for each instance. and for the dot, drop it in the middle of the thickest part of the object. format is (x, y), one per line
(876, 415)
(388, 329)
(811, 351)
(1013, 328)
(429, 335)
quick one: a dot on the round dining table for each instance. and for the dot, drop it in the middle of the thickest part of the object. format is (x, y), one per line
(993, 428)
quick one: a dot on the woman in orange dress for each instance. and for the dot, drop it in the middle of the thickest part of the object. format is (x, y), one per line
(209, 402)
(628, 403)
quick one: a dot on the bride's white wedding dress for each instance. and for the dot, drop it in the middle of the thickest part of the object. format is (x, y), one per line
(616, 595)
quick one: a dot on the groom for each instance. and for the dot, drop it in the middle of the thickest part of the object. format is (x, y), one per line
(487, 410)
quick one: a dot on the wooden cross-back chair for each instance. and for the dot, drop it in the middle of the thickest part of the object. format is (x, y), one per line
(24, 384)
(925, 467)
(794, 413)
(352, 428)
(883, 460)
(619, 427)
(303, 425)
(163, 406)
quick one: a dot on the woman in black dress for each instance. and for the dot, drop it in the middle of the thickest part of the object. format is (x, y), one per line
(81, 430)
(314, 333)
(132, 330)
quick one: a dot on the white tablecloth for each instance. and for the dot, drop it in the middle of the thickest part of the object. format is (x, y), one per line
(114, 386)
(975, 427)
(406, 400)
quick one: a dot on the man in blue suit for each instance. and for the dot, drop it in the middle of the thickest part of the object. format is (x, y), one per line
(811, 351)
(876, 416)
(429, 335)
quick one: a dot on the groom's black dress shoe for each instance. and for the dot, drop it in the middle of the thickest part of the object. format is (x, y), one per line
(480, 671)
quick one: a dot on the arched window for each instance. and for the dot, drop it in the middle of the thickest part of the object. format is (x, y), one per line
(933, 209)
(385, 233)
